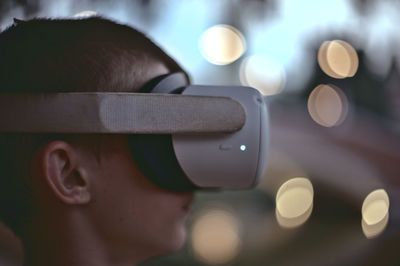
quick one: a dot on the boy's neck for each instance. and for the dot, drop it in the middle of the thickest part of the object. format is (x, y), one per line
(66, 242)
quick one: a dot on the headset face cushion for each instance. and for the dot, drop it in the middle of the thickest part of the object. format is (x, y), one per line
(155, 157)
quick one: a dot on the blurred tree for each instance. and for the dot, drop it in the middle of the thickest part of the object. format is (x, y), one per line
(366, 7)
(363, 7)
(392, 86)
(29, 8)
(260, 10)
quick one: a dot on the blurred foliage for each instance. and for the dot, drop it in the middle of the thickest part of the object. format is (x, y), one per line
(366, 7)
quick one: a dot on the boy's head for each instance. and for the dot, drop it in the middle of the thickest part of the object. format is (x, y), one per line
(89, 182)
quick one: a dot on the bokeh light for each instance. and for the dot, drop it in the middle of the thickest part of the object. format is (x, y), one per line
(294, 202)
(375, 213)
(85, 14)
(294, 221)
(338, 59)
(222, 44)
(216, 237)
(263, 74)
(328, 105)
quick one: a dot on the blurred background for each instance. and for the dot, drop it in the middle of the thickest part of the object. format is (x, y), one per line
(330, 73)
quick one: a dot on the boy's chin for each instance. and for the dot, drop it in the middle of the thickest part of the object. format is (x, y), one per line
(173, 244)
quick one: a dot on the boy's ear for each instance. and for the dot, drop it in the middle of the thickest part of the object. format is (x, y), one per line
(61, 168)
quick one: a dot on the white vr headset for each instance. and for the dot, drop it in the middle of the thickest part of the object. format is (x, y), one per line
(182, 136)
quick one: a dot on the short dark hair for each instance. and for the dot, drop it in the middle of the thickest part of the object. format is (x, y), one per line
(62, 55)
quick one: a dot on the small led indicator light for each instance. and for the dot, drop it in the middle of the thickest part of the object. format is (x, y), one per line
(242, 147)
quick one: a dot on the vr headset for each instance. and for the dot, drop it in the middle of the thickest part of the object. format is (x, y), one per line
(183, 137)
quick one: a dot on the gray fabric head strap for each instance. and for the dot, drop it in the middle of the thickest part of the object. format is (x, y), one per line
(137, 113)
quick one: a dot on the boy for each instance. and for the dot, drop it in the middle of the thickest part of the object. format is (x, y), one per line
(80, 199)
